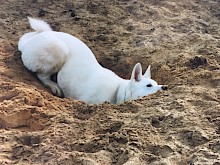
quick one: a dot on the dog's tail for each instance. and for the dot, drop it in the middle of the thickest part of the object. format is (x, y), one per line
(39, 25)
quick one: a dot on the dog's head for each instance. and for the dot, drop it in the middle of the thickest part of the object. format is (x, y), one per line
(143, 85)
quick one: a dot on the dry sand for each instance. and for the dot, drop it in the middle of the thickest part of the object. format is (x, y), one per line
(180, 39)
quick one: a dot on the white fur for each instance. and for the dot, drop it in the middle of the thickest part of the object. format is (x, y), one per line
(79, 74)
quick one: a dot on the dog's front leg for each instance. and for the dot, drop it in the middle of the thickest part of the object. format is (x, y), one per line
(46, 80)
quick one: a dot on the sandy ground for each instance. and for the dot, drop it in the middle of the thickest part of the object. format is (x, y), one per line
(180, 39)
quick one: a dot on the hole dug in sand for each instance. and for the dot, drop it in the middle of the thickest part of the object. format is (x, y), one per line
(23, 120)
(163, 151)
(196, 62)
(30, 140)
(193, 138)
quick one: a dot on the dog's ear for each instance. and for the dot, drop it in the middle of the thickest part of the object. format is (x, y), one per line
(147, 73)
(137, 73)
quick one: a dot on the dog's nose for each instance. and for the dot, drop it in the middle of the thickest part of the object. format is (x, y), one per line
(164, 87)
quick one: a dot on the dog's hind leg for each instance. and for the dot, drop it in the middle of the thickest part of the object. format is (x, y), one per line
(46, 80)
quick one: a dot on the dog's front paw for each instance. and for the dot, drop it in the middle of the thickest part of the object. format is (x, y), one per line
(57, 91)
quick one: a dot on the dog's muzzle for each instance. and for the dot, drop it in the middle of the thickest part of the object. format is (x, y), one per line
(164, 87)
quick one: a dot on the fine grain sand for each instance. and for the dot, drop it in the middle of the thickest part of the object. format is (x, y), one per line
(181, 126)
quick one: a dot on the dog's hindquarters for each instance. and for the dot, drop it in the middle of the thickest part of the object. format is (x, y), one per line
(45, 55)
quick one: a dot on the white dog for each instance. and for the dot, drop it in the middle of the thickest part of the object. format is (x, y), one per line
(79, 74)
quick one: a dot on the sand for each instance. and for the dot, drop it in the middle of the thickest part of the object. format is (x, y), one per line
(181, 41)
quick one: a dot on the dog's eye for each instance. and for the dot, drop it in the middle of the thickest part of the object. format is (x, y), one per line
(149, 85)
